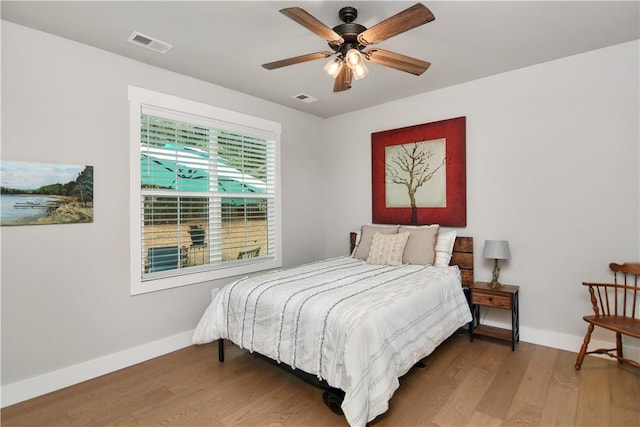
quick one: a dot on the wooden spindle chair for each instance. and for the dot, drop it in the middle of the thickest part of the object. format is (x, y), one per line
(616, 308)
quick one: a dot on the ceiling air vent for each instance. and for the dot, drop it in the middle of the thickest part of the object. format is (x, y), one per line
(305, 98)
(149, 42)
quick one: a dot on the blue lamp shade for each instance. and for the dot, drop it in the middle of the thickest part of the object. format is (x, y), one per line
(497, 249)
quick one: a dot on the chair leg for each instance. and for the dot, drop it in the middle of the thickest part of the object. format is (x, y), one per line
(619, 346)
(583, 349)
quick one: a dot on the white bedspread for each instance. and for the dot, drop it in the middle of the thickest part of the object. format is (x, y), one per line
(357, 326)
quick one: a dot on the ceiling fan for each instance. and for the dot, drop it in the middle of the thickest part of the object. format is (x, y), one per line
(348, 41)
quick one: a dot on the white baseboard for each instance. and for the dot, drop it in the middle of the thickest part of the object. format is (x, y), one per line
(56, 380)
(570, 342)
(558, 340)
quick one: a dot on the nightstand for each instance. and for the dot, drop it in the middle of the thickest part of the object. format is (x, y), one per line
(505, 298)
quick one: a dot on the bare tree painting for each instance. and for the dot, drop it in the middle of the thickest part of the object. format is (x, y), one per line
(415, 175)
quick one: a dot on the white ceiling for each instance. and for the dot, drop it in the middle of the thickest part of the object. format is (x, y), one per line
(224, 42)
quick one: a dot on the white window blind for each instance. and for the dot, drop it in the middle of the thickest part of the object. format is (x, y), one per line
(207, 199)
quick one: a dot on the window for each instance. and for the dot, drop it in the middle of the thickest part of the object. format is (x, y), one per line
(204, 192)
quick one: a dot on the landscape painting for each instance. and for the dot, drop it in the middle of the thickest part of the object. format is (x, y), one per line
(45, 193)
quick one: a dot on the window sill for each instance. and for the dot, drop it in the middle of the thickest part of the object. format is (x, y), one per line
(168, 281)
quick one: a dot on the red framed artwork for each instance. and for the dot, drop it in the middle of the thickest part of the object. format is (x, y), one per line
(419, 174)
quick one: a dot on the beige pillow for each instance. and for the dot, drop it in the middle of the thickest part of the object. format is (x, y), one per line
(421, 245)
(387, 249)
(366, 234)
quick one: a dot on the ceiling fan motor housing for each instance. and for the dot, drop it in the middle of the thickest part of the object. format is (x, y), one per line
(348, 31)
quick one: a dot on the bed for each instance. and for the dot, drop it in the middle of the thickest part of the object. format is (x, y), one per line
(356, 323)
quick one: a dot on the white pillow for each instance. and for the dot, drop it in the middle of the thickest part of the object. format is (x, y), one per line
(444, 247)
(387, 249)
(420, 248)
(362, 250)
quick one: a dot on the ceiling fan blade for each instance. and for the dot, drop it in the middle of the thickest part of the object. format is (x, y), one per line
(412, 17)
(308, 21)
(296, 60)
(397, 61)
(343, 79)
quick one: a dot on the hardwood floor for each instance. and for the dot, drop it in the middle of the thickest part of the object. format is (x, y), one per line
(463, 384)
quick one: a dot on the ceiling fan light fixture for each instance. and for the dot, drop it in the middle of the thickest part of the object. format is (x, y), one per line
(353, 57)
(355, 61)
(360, 71)
(333, 67)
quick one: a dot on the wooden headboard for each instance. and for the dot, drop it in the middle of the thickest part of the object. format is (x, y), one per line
(462, 256)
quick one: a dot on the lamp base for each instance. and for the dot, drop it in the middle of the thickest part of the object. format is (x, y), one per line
(494, 284)
(494, 279)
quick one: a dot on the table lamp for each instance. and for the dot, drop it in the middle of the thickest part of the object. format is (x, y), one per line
(496, 249)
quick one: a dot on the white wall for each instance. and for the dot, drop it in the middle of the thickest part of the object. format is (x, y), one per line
(66, 309)
(552, 166)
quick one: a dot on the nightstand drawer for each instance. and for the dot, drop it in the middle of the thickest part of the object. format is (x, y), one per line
(500, 301)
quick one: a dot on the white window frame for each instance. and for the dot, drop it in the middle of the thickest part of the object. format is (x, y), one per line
(139, 97)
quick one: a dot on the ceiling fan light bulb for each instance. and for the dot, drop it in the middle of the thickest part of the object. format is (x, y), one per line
(333, 67)
(353, 58)
(360, 71)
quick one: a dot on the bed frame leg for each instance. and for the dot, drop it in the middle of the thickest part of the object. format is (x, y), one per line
(220, 350)
(333, 397)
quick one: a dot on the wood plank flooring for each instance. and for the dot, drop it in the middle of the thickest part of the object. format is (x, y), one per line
(463, 384)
